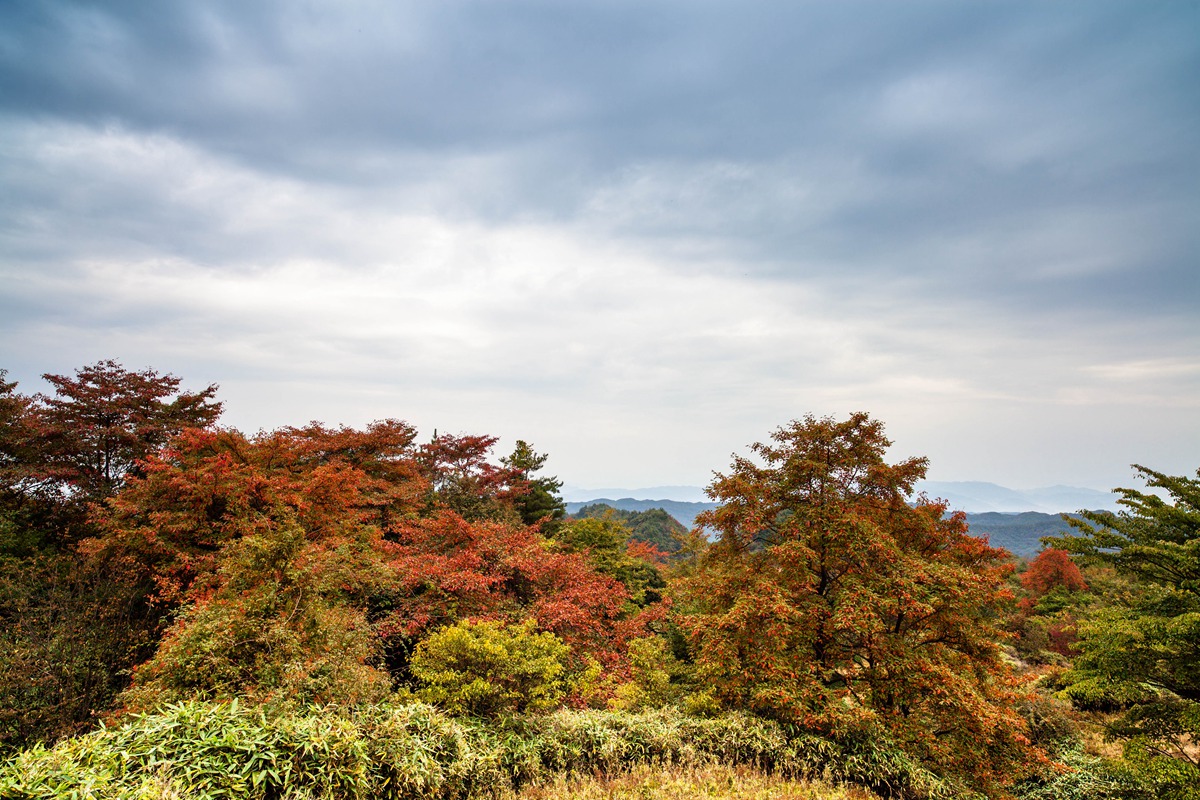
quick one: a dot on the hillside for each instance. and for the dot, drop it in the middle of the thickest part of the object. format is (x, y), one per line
(653, 526)
(684, 512)
(1020, 534)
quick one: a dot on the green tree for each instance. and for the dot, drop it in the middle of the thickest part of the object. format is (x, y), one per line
(831, 602)
(488, 668)
(606, 542)
(538, 499)
(1144, 651)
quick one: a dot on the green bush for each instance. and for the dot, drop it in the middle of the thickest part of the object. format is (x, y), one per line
(488, 668)
(653, 668)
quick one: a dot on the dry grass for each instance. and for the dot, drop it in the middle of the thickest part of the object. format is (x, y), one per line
(715, 782)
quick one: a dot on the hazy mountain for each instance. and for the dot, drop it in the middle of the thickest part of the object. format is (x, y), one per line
(979, 497)
(971, 496)
(685, 494)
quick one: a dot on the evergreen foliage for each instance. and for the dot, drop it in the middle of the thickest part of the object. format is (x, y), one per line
(1144, 653)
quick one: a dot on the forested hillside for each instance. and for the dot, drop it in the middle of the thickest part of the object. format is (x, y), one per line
(681, 511)
(376, 613)
(653, 526)
(1020, 534)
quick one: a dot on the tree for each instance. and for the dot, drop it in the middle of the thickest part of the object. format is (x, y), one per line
(538, 500)
(611, 550)
(1144, 651)
(463, 480)
(97, 426)
(71, 630)
(447, 568)
(1053, 568)
(358, 536)
(830, 602)
(281, 624)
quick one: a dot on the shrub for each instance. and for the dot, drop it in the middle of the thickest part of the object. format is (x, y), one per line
(488, 668)
(652, 666)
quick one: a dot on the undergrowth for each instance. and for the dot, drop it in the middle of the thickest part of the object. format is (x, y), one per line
(222, 750)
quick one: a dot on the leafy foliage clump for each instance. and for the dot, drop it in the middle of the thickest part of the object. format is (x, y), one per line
(486, 669)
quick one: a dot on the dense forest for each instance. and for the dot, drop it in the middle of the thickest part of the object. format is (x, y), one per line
(191, 610)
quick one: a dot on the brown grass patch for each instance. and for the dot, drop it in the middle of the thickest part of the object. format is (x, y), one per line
(714, 782)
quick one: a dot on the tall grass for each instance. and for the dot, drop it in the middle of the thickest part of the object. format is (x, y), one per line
(222, 750)
(714, 782)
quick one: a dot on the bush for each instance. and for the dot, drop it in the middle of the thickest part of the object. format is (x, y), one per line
(488, 668)
(653, 668)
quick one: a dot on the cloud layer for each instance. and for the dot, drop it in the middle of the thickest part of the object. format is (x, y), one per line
(638, 235)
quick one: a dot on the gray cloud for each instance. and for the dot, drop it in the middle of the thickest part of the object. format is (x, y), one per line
(661, 217)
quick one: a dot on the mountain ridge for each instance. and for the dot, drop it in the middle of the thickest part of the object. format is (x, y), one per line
(1018, 533)
(973, 497)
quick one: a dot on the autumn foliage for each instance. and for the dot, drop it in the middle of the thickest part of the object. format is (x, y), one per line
(287, 547)
(830, 602)
(1053, 568)
(357, 566)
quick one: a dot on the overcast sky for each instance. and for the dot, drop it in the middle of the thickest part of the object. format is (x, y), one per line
(639, 235)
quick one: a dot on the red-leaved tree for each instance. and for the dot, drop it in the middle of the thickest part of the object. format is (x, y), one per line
(1053, 568)
(309, 562)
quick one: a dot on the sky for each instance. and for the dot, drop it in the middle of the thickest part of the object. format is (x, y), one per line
(638, 235)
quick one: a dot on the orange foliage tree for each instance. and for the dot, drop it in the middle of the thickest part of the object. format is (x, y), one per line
(829, 601)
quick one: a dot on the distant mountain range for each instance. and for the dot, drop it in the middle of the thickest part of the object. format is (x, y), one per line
(971, 496)
(1015, 519)
(683, 511)
(979, 497)
(1020, 534)
(686, 494)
